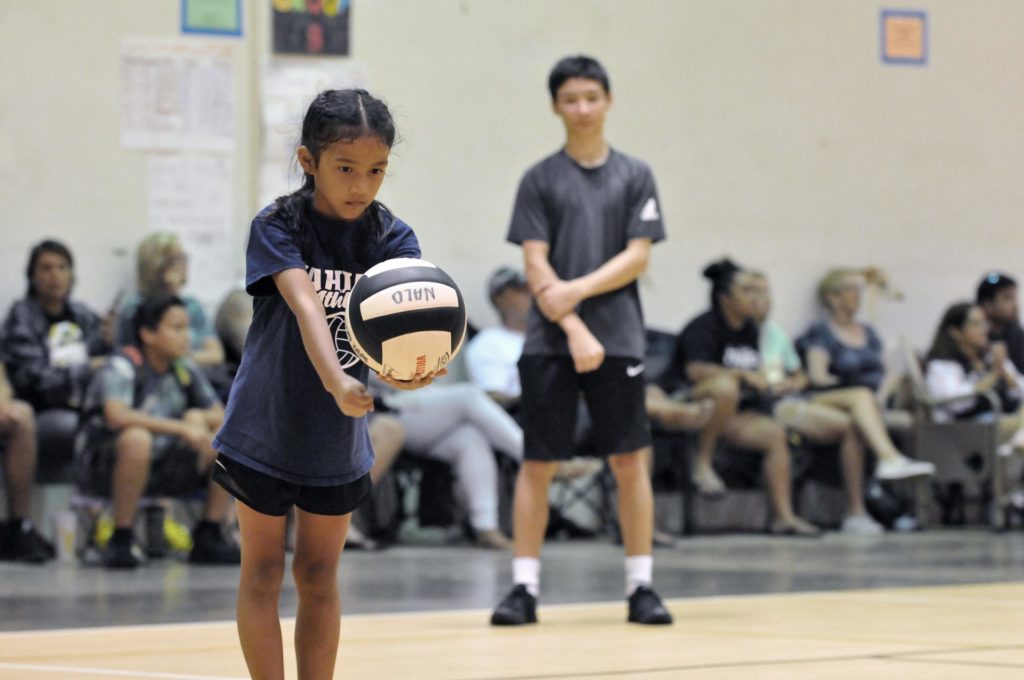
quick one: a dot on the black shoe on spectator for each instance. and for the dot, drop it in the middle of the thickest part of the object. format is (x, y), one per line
(22, 543)
(519, 607)
(645, 607)
(210, 547)
(121, 552)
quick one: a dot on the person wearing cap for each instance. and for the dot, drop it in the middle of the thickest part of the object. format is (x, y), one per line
(997, 297)
(492, 355)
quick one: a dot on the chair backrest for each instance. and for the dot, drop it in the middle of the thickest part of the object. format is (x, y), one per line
(915, 375)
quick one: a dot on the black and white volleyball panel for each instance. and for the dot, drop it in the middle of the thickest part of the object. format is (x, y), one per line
(406, 318)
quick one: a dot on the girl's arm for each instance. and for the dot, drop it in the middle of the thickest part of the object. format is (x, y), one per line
(351, 396)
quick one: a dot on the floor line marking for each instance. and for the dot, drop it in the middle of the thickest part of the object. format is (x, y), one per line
(85, 670)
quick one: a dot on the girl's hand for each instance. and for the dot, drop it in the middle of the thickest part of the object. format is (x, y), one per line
(415, 383)
(351, 396)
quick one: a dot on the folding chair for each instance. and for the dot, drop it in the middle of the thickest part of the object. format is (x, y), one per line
(964, 452)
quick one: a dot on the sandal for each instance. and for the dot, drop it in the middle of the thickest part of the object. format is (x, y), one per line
(796, 527)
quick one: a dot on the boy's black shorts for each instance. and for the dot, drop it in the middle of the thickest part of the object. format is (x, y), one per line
(271, 495)
(614, 394)
(172, 471)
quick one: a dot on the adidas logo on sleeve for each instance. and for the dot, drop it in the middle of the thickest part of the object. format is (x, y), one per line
(650, 211)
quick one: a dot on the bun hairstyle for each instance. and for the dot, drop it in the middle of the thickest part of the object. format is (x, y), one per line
(721, 273)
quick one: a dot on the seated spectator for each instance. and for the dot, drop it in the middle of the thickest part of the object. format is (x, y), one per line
(846, 367)
(459, 425)
(816, 423)
(148, 423)
(52, 344)
(492, 355)
(717, 358)
(962, 363)
(163, 270)
(232, 324)
(997, 297)
(19, 539)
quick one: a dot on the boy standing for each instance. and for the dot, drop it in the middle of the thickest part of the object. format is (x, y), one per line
(149, 419)
(586, 218)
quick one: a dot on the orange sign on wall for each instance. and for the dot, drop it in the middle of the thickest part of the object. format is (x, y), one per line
(904, 37)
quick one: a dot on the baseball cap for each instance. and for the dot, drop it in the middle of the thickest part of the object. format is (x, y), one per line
(992, 283)
(503, 278)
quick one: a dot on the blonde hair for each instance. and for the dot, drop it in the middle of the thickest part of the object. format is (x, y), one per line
(154, 255)
(832, 282)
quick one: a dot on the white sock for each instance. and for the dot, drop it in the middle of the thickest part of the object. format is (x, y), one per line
(526, 571)
(639, 570)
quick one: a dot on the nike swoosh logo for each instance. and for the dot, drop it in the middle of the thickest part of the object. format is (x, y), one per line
(634, 371)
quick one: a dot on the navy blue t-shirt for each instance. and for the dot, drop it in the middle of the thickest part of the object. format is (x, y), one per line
(280, 420)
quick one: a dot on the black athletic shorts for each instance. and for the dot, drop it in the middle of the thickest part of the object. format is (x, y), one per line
(172, 468)
(271, 495)
(614, 395)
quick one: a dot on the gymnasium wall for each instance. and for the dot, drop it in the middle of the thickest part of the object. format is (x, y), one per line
(776, 134)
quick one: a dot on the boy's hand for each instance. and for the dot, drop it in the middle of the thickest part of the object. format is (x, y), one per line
(195, 436)
(351, 396)
(586, 350)
(558, 298)
(415, 383)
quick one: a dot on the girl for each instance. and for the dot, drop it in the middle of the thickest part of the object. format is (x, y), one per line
(963, 363)
(283, 442)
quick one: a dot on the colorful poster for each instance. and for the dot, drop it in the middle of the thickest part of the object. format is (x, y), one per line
(218, 17)
(311, 27)
(904, 37)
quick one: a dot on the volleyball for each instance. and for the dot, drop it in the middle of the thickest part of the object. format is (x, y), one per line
(405, 318)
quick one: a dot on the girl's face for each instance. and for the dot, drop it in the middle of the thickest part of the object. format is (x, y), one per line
(743, 296)
(51, 277)
(974, 333)
(175, 271)
(347, 177)
(762, 298)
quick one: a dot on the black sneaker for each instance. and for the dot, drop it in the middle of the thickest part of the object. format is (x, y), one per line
(120, 555)
(645, 607)
(519, 607)
(210, 547)
(24, 544)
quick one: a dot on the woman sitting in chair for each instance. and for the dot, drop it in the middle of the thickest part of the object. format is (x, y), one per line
(962, 363)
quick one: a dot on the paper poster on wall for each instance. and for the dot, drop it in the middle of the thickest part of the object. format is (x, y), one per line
(216, 17)
(286, 93)
(311, 26)
(177, 95)
(192, 197)
(904, 37)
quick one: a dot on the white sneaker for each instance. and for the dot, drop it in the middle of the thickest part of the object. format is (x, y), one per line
(861, 525)
(903, 468)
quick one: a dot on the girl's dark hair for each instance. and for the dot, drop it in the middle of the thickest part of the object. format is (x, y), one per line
(151, 312)
(721, 274)
(338, 116)
(943, 345)
(48, 246)
(579, 66)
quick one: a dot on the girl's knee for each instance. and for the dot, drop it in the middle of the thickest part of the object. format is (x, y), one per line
(315, 577)
(262, 577)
